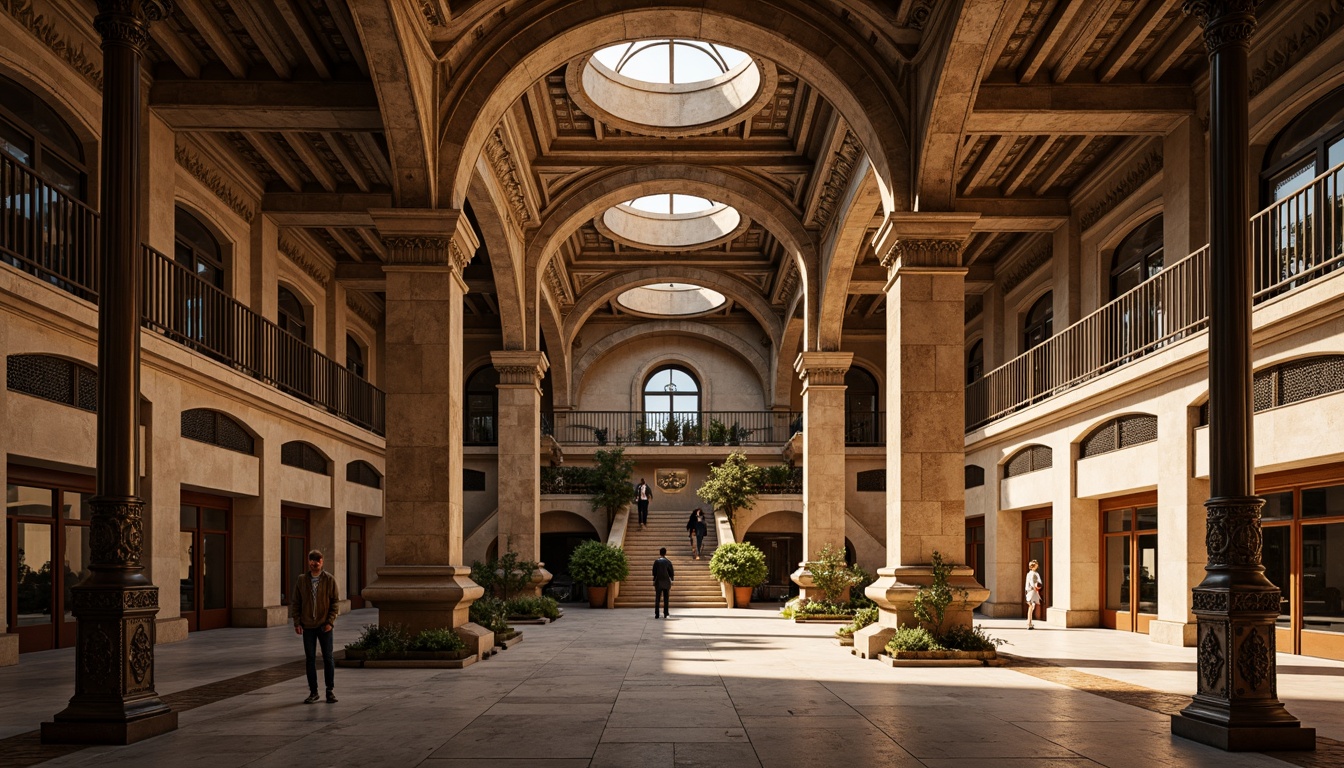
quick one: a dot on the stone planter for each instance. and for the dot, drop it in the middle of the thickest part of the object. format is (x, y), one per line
(941, 659)
(597, 597)
(845, 640)
(410, 660)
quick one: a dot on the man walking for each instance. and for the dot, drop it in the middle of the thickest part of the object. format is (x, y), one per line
(642, 495)
(662, 582)
(314, 605)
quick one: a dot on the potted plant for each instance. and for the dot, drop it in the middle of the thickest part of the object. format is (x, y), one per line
(718, 432)
(600, 434)
(598, 566)
(732, 485)
(611, 484)
(690, 433)
(742, 565)
(671, 431)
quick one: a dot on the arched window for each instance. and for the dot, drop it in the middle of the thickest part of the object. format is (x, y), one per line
(196, 248)
(671, 389)
(354, 356)
(293, 318)
(975, 362)
(1138, 257)
(670, 61)
(35, 136)
(482, 406)
(1038, 325)
(861, 419)
(1309, 146)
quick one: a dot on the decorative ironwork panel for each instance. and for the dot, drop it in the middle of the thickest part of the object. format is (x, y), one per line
(1262, 390)
(217, 429)
(1304, 379)
(1137, 430)
(975, 476)
(1101, 440)
(53, 378)
(363, 473)
(297, 453)
(1029, 459)
(872, 481)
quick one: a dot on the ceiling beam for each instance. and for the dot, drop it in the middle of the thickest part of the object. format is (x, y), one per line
(220, 42)
(1044, 44)
(868, 280)
(347, 243)
(303, 35)
(347, 160)
(1138, 30)
(1079, 109)
(194, 105)
(1083, 38)
(1016, 214)
(1064, 158)
(310, 158)
(1170, 50)
(323, 209)
(276, 159)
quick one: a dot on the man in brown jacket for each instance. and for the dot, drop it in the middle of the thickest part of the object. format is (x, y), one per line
(314, 605)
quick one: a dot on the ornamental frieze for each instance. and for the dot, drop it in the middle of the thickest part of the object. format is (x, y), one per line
(47, 33)
(213, 182)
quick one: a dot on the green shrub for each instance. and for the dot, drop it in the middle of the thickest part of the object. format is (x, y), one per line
(532, 607)
(597, 565)
(718, 432)
(739, 563)
(830, 573)
(505, 576)
(823, 608)
(931, 602)
(790, 608)
(489, 612)
(610, 482)
(913, 639)
(437, 640)
(378, 640)
(732, 485)
(862, 618)
(969, 639)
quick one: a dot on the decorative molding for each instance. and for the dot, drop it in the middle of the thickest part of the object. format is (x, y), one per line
(1232, 532)
(433, 17)
(1225, 22)
(841, 169)
(1027, 267)
(356, 302)
(41, 26)
(788, 284)
(1211, 660)
(1254, 665)
(919, 15)
(300, 258)
(974, 308)
(924, 253)
(116, 531)
(1295, 46)
(1137, 176)
(458, 255)
(417, 251)
(823, 375)
(506, 172)
(213, 182)
(519, 374)
(557, 284)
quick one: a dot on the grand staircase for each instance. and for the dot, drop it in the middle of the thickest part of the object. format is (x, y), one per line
(693, 587)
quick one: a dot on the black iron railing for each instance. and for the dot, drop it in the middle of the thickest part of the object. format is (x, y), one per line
(45, 232)
(674, 428)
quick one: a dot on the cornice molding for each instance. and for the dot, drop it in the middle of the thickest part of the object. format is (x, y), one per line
(212, 181)
(506, 173)
(433, 16)
(1293, 47)
(788, 284)
(310, 267)
(1027, 266)
(556, 282)
(47, 33)
(842, 163)
(426, 251)
(1137, 176)
(924, 253)
(975, 308)
(357, 303)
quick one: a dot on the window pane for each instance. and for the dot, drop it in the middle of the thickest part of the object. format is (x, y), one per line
(214, 571)
(76, 567)
(1323, 502)
(215, 519)
(32, 573)
(186, 571)
(75, 505)
(15, 143)
(651, 65)
(188, 517)
(1336, 152)
(1117, 573)
(1117, 520)
(354, 533)
(294, 565)
(657, 403)
(1278, 506)
(1323, 577)
(1147, 518)
(1278, 560)
(354, 581)
(1037, 529)
(29, 502)
(1148, 573)
(1290, 181)
(694, 64)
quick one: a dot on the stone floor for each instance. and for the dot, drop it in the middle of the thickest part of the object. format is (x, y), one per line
(706, 688)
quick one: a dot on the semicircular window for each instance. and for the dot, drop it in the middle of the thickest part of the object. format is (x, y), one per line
(671, 299)
(297, 453)
(216, 428)
(669, 83)
(671, 221)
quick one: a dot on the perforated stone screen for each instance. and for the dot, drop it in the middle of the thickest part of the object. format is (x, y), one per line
(304, 456)
(53, 378)
(215, 428)
(1029, 459)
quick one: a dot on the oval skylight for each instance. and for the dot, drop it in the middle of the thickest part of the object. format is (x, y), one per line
(669, 86)
(671, 221)
(671, 299)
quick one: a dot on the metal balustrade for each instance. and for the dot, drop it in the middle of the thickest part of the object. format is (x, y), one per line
(51, 235)
(1299, 238)
(672, 428)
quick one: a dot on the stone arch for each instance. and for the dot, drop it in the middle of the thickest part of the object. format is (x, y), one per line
(59, 88)
(562, 520)
(862, 83)
(782, 519)
(1085, 431)
(506, 256)
(599, 294)
(786, 352)
(841, 251)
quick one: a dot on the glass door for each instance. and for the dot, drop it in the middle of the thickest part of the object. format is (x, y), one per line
(354, 560)
(1129, 566)
(75, 557)
(48, 554)
(1037, 532)
(975, 547)
(293, 548)
(204, 557)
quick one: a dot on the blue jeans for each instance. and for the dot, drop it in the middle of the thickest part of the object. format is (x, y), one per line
(310, 641)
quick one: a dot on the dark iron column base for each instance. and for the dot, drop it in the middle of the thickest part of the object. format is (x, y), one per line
(117, 732)
(1291, 737)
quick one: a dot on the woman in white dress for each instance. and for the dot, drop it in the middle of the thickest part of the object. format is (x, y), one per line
(1034, 584)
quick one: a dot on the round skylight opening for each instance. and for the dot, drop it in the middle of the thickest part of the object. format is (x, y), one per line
(671, 222)
(670, 86)
(671, 300)
(672, 62)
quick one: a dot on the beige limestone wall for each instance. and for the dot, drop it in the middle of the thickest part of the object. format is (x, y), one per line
(1033, 489)
(1123, 471)
(304, 488)
(727, 382)
(866, 508)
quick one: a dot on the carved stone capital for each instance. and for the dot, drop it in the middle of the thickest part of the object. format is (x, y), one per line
(426, 237)
(126, 22)
(923, 253)
(520, 367)
(823, 368)
(417, 251)
(1226, 22)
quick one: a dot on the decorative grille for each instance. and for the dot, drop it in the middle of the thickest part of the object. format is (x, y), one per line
(215, 428)
(872, 481)
(363, 473)
(53, 378)
(1292, 382)
(299, 454)
(975, 476)
(1029, 459)
(1121, 432)
(1137, 430)
(1101, 440)
(473, 480)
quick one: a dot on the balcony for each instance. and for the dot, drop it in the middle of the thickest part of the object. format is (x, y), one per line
(50, 235)
(622, 428)
(1294, 241)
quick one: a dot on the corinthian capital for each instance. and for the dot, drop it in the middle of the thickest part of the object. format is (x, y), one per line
(1225, 22)
(127, 21)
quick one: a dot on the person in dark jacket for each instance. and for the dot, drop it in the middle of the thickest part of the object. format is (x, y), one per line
(696, 530)
(662, 582)
(643, 493)
(314, 604)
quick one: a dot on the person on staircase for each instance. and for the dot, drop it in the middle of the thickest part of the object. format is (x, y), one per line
(662, 582)
(696, 530)
(643, 493)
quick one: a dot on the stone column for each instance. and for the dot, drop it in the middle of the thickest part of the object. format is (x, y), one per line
(115, 701)
(926, 508)
(823, 375)
(519, 431)
(424, 584)
(1236, 705)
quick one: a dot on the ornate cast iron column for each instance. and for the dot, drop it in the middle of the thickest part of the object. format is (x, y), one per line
(1236, 706)
(115, 701)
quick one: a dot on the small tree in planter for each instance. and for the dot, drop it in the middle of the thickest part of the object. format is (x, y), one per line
(742, 565)
(597, 565)
(732, 485)
(505, 577)
(671, 431)
(611, 482)
(832, 575)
